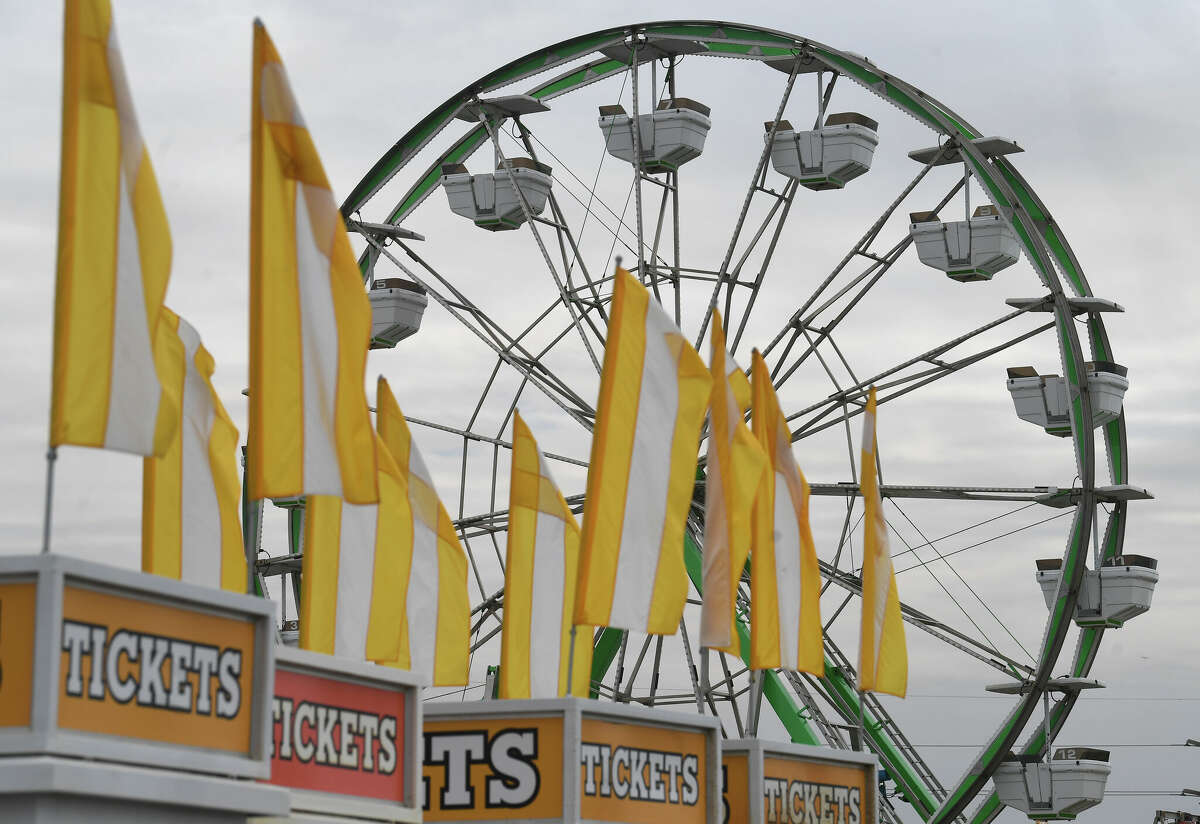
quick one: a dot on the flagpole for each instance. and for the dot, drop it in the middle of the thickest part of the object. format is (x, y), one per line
(756, 693)
(859, 746)
(51, 457)
(705, 686)
(571, 664)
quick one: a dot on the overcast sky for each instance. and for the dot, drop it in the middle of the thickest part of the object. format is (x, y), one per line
(1102, 96)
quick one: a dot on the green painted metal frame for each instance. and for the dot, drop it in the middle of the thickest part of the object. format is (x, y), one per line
(1040, 237)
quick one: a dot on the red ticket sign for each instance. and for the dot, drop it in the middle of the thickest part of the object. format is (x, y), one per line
(334, 736)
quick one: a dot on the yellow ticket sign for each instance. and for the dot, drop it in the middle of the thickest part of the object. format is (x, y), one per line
(735, 786)
(569, 760)
(802, 791)
(642, 774)
(17, 602)
(487, 769)
(768, 782)
(144, 669)
(113, 665)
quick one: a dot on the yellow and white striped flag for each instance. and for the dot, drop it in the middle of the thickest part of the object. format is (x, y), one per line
(191, 524)
(435, 637)
(785, 583)
(734, 469)
(310, 320)
(653, 395)
(882, 656)
(356, 568)
(114, 254)
(739, 384)
(539, 583)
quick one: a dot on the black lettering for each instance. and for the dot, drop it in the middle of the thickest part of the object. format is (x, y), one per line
(368, 726)
(305, 743)
(180, 695)
(96, 663)
(457, 752)
(281, 716)
(151, 690)
(204, 664)
(229, 671)
(123, 641)
(326, 747)
(76, 640)
(387, 745)
(589, 756)
(516, 781)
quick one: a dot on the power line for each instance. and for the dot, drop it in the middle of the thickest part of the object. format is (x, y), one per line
(970, 588)
(994, 538)
(1142, 792)
(964, 529)
(1089, 698)
(938, 581)
(1097, 746)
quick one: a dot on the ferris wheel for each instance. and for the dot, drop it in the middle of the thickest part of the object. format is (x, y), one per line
(856, 231)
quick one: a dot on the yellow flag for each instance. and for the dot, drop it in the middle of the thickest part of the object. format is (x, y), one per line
(539, 583)
(191, 523)
(882, 656)
(653, 395)
(435, 632)
(785, 583)
(734, 469)
(310, 320)
(356, 569)
(114, 255)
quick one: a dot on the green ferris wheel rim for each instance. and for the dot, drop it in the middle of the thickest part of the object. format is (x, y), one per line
(581, 61)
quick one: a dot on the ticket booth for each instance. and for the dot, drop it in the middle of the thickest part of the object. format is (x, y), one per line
(569, 760)
(345, 740)
(131, 697)
(771, 782)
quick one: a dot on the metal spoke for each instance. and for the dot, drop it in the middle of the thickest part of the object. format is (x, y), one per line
(637, 666)
(537, 236)
(938, 629)
(581, 412)
(863, 244)
(856, 394)
(475, 436)
(594, 198)
(759, 170)
(636, 133)
(873, 273)
(787, 198)
(731, 276)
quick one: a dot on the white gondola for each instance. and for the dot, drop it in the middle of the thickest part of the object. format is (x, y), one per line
(1121, 589)
(397, 306)
(966, 250)
(1042, 399)
(670, 136)
(828, 157)
(1071, 782)
(490, 200)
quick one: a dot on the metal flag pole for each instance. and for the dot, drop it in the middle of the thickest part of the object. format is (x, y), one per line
(758, 681)
(858, 744)
(51, 457)
(705, 684)
(571, 664)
